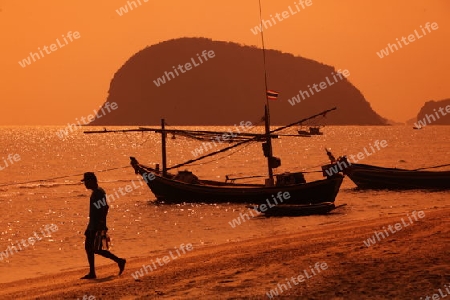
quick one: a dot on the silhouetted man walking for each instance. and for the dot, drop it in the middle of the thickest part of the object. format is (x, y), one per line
(96, 229)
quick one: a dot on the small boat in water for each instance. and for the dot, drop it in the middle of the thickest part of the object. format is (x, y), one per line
(298, 210)
(312, 131)
(374, 177)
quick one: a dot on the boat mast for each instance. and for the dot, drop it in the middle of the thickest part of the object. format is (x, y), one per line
(268, 145)
(163, 150)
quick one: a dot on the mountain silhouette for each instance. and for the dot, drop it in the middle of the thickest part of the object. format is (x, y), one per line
(227, 88)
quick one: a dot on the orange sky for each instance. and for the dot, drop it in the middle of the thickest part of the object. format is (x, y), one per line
(74, 80)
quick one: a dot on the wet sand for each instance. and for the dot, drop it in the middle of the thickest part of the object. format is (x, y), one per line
(411, 263)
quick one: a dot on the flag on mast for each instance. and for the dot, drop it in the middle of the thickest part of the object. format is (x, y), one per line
(272, 95)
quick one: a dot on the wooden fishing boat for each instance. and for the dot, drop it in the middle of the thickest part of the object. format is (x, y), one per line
(374, 177)
(312, 131)
(186, 187)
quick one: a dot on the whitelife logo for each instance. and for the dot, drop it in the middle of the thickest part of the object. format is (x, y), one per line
(72, 127)
(224, 137)
(431, 118)
(188, 66)
(124, 9)
(436, 296)
(398, 226)
(280, 17)
(11, 158)
(341, 165)
(411, 38)
(53, 47)
(322, 85)
(165, 260)
(281, 287)
(109, 198)
(87, 297)
(260, 209)
(30, 240)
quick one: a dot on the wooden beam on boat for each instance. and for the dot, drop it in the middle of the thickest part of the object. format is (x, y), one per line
(180, 131)
(158, 130)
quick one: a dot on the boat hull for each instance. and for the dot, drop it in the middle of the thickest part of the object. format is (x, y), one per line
(372, 177)
(173, 191)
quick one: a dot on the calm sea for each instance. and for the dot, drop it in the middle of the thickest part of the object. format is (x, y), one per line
(140, 228)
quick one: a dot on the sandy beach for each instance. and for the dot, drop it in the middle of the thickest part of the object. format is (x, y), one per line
(411, 263)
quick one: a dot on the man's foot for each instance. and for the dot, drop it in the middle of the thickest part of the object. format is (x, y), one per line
(89, 276)
(121, 264)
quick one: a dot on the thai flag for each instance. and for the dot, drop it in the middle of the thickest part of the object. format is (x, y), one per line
(272, 95)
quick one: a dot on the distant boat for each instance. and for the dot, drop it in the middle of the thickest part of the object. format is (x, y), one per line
(312, 131)
(374, 177)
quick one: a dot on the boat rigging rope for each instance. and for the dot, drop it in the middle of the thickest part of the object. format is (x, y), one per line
(60, 177)
(220, 158)
(142, 134)
(209, 136)
(434, 167)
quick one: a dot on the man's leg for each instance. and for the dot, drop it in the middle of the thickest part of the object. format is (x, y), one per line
(107, 254)
(89, 247)
(120, 261)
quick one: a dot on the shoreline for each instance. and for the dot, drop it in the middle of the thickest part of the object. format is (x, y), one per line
(411, 263)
